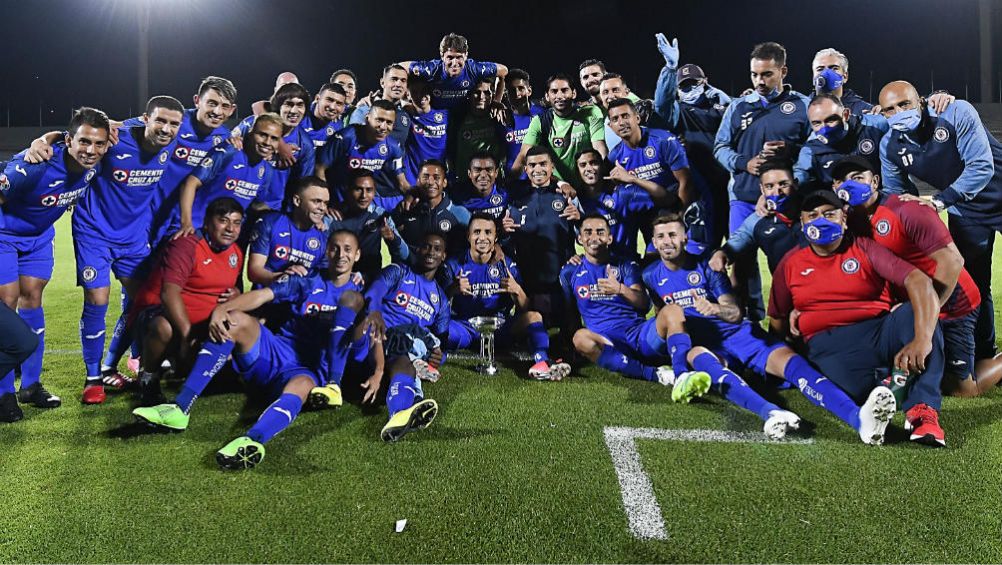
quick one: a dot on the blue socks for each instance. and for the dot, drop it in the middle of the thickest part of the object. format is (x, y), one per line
(733, 387)
(31, 368)
(338, 347)
(821, 391)
(276, 418)
(619, 362)
(678, 347)
(210, 359)
(539, 341)
(404, 389)
(92, 330)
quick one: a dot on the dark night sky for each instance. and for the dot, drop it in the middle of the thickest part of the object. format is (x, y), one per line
(65, 53)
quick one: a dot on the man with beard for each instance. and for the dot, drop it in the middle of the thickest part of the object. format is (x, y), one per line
(478, 131)
(394, 85)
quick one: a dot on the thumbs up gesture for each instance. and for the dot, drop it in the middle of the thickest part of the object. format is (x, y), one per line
(610, 285)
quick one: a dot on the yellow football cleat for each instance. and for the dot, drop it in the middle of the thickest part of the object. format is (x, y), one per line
(417, 417)
(328, 396)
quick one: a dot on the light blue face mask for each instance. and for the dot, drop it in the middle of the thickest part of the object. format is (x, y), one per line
(692, 95)
(906, 121)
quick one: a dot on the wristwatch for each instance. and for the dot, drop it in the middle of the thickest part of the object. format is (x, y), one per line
(940, 206)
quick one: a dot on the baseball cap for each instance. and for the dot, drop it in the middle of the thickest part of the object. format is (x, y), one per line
(851, 164)
(689, 72)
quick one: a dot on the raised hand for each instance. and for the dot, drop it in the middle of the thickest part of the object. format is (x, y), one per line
(668, 50)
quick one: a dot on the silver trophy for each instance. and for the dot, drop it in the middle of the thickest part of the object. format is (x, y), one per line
(486, 326)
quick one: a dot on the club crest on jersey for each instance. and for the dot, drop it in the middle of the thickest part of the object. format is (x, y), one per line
(404, 120)
(383, 150)
(260, 172)
(467, 135)
(609, 202)
(941, 134)
(866, 146)
(445, 225)
(182, 153)
(436, 93)
(89, 274)
(883, 227)
(230, 184)
(694, 278)
(87, 178)
(312, 308)
(313, 243)
(613, 273)
(355, 163)
(787, 107)
(558, 205)
(583, 292)
(558, 142)
(120, 175)
(282, 252)
(402, 298)
(49, 200)
(330, 130)
(649, 152)
(494, 272)
(5, 182)
(438, 117)
(496, 199)
(163, 158)
(217, 139)
(232, 260)
(434, 298)
(850, 266)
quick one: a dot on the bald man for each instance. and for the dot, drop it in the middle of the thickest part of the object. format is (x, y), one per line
(953, 152)
(262, 106)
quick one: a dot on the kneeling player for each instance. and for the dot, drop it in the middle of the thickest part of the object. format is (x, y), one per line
(489, 285)
(700, 308)
(284, 364)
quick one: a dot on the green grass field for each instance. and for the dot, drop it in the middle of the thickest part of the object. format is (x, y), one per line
(511, 471)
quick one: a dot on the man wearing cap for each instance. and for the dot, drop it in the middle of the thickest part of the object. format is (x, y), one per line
(831, 72)
(953, 152)
(835, 293)
(914, 232)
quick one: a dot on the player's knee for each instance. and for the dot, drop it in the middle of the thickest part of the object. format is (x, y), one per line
(160, 330)
(352, 300)
(533, 317)
(300, 385)
(672, 315)
(583, 342)
(402, 366)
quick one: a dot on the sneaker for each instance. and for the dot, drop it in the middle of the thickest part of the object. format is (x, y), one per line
(37, 396)
(9, 410)
(780, 422)
(425, 371)
(241, 453)
(417, 417)
(922, 421)
(117, 381)
(689, 385)
(328, 396)
(167, 416)
(666, 375)
(559, 370)
(94, 394)
(875, 414)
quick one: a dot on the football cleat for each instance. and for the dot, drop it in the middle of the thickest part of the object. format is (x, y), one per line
(540, 371)
(922, 421)
(117, 381)
(37, 396)
(328, 396)
(167, 416)
(689, 385)
(780, 423)
(426, 371)
(417, 417)
(875, 414)
(241, 453)
(9, 410)
(666, 375)
(93, 394)
(559, 370)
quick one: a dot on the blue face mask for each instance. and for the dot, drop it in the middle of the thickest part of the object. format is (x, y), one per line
(822, 231)
(831, 134)
(854, 193)
(906, 121)
(828, 80)
(775, 202)
(692, 95)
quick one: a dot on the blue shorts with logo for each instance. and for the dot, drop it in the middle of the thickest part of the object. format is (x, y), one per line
(22, 256)
(747, 345)
(272, 362)
(98, 258)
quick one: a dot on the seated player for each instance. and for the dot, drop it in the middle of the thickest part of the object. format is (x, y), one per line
(705, 329)
(290, 243)
(413, 307)
(32, 198)
(434, 211)
(835, 293)
(486, 283)
(359, 214)
(914, 232)
(172, 308)
(482, 193)
(243, 174)
(285, 364)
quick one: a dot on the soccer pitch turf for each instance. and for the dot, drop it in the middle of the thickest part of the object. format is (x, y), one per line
(510, 471)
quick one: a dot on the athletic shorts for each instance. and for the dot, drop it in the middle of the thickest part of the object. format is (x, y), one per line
(272, 362)
(26, 256)
(958, 345)
(97, 259)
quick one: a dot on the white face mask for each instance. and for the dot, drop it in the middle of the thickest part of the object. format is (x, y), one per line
(692, 95)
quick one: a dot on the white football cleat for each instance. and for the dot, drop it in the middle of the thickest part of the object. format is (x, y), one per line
(780, 422)
(875, 414)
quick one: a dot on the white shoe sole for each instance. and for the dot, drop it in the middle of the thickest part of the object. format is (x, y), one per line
(875, 414)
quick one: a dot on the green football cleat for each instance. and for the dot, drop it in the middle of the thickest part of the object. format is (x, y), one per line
(328, 396)
(167, 416)
(689, 385)
(241, 453)
(417, 417)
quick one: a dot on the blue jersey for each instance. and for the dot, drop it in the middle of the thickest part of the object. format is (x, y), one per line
(485, 283)
(227, 172)
(608, 315)
(316, 129)
(515, 133)
(655, 157)
(276, 237)
(624, 209)
(495, 203)
(117, 208)
(345, 151)
(35, 196)
(955, 154)
(427, 141)
(274, 194)
(405, 297)
(449, 92)
(816, 159)
(313, 300)
(681, 288)
(747, 124)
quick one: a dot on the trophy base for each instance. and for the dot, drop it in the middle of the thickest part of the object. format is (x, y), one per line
(489, 370)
